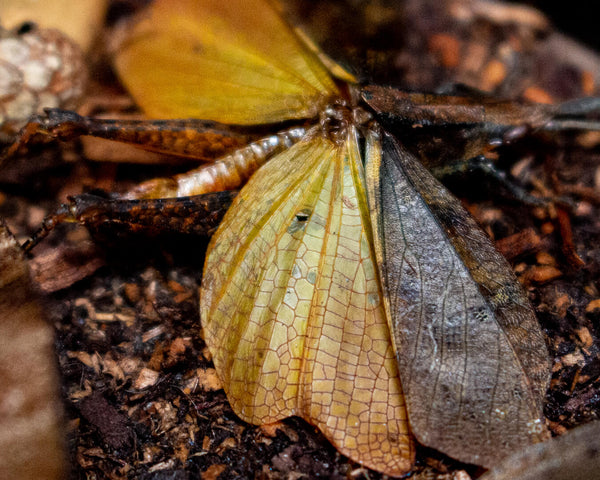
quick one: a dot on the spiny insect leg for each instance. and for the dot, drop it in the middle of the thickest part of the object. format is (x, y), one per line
(191, 138)
(197, 215)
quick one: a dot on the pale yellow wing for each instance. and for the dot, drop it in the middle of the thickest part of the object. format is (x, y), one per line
(292, 308)
(231, 61)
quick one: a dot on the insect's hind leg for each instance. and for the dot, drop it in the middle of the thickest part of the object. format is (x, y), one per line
(197, 215)
(197, 139)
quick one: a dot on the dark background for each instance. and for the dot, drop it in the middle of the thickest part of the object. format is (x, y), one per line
(574, 18)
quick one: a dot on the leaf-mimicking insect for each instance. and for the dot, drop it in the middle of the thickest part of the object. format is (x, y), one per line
(345, 284)
(343, 274)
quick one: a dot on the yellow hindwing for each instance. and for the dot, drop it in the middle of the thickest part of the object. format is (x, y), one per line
(292, 308)
(228, 61)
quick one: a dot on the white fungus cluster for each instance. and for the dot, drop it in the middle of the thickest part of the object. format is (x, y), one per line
(38, 69)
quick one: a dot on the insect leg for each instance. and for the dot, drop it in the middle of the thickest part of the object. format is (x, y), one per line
(229, 172)
(198, 215)
(191, 138)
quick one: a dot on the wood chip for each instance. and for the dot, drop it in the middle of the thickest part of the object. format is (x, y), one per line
(585, 337)
(213, 472)
(524, 242)
(543, 274)
(593, 305)
(146, 378)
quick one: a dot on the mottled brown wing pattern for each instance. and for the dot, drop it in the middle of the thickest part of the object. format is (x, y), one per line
(472, 359)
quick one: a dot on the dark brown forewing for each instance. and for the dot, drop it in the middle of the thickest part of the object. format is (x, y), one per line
(473, 362)
(573, 456)
(456, 128)
(31, 431)
(485, 113)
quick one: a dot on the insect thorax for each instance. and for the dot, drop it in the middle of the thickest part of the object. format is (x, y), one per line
(337, 117)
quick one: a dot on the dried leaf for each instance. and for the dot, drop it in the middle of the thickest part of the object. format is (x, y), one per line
(573, 456)
(31, 440)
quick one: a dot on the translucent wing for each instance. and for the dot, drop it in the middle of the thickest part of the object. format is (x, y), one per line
(230, 61)
(472, 358)
(292, 310)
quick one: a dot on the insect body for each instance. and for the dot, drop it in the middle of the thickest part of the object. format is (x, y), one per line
(345, 284)
(340, 274)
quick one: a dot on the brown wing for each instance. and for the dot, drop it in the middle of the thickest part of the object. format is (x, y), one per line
(472, 359)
